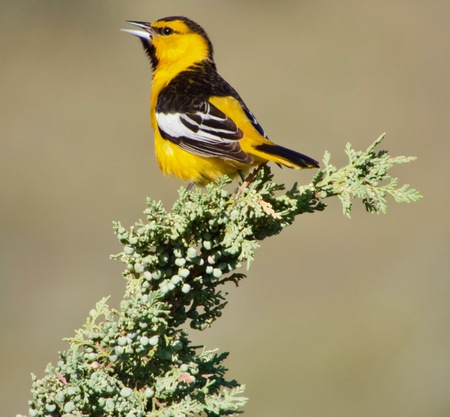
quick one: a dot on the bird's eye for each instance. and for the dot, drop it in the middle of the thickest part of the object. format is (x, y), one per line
(167, 31)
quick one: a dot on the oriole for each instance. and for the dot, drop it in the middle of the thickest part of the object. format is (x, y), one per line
(203, 129)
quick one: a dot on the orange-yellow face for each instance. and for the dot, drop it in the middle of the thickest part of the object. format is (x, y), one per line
(174, 41)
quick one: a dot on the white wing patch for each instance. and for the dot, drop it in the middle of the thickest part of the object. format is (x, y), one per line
(179, 125)
(210, 125)
(207, 132)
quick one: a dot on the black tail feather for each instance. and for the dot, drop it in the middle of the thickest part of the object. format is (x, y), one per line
(296, 158)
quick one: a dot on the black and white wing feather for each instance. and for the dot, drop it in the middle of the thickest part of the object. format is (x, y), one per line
(206, 132)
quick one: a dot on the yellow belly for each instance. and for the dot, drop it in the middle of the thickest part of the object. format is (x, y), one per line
(186, 166)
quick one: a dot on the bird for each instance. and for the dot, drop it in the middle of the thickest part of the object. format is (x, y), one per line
(202, 127)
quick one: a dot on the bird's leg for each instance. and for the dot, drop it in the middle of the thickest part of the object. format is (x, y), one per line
(252, 175)
(190, 185)
(247, 180)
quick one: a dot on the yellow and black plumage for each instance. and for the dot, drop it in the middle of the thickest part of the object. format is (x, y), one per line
(203, 129)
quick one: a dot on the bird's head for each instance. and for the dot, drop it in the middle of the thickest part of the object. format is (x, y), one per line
(173, 41)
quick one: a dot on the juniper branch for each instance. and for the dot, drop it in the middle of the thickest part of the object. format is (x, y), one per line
(138, 361)
(365, 178)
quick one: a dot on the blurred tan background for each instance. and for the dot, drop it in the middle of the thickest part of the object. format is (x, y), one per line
(338, 317)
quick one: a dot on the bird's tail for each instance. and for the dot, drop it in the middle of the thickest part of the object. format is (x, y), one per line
(288, 157)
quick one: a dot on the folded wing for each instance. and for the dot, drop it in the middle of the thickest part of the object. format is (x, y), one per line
(206, 132)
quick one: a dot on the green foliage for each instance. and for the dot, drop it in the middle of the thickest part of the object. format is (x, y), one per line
(365, 178)
(139, 361)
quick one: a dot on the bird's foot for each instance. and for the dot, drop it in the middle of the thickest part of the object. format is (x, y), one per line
(247, 180)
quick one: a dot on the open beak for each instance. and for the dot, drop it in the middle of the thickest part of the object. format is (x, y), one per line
(147, 32)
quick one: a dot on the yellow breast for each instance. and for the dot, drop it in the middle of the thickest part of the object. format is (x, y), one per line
(186, 166)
